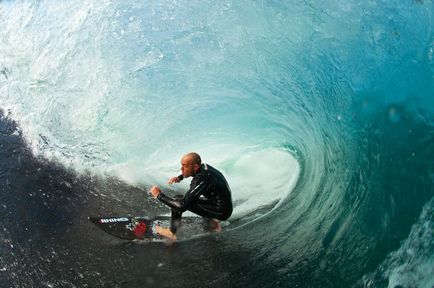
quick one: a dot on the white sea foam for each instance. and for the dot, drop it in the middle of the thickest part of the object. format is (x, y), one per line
(258, 177)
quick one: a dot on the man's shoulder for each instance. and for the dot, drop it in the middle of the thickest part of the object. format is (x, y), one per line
(207, 168)
(203, 173)
(208, 172)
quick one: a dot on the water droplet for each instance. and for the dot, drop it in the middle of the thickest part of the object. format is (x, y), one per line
(394, 115)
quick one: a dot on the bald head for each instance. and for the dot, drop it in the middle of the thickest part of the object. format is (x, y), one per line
(193, 157)
(190, 164)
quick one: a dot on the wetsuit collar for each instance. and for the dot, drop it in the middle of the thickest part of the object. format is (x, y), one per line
(203, 167)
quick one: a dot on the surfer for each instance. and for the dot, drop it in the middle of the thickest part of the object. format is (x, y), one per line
(209, 195)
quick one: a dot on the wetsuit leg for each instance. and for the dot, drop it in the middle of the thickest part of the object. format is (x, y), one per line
(202, 209)
(176, 217)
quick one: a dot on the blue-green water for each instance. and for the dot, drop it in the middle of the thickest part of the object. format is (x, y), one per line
(319, 114)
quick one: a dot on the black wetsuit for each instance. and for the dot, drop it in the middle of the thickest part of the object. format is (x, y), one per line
(209, 196)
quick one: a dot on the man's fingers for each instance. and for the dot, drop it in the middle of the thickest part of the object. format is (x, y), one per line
(154, 191)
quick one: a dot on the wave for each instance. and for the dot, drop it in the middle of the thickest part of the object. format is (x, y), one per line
(319, 114)
(98, 91)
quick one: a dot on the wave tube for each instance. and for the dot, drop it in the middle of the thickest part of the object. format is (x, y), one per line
(127, 89)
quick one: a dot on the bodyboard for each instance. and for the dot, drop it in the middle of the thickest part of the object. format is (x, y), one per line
(143, 228)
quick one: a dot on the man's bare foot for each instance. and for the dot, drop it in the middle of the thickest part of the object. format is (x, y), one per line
(214, 225)
(165, 232)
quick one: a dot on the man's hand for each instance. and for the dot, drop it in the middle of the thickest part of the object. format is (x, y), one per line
(155, 191)
(173, 180)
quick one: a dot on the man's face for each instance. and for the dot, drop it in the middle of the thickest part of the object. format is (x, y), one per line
(187, 167)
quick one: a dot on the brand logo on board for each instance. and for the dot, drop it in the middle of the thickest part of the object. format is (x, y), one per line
(113, 220)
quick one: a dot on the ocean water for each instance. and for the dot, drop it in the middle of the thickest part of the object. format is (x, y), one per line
(321, 116)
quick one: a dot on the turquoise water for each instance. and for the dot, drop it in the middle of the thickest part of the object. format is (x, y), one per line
(319, 114)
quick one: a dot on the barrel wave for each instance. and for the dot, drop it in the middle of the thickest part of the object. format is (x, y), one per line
(320, 115)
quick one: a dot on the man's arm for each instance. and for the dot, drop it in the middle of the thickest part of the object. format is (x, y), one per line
(197, 188)
(175, 179)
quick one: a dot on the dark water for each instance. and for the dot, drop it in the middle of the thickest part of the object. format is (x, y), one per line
(320, 114)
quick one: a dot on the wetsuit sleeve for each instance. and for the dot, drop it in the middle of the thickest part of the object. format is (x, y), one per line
(197, 187)
(169, 201)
